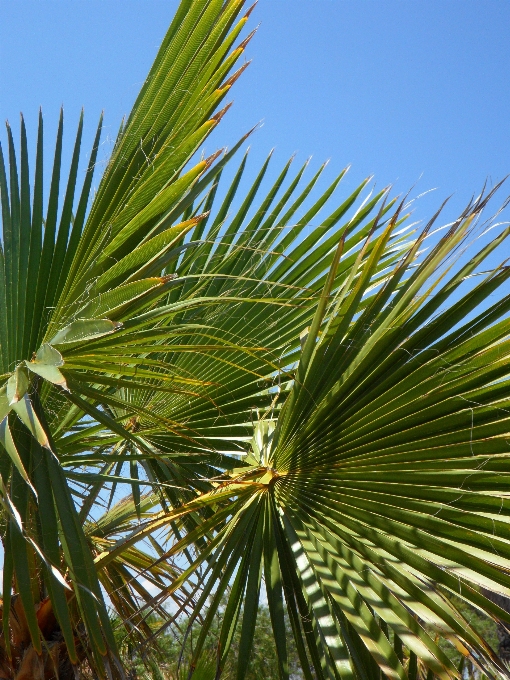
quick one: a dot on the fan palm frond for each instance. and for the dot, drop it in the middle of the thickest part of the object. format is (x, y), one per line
(379, 490)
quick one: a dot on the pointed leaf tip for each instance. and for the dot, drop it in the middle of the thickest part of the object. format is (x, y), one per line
(218, 116)
(250, 9)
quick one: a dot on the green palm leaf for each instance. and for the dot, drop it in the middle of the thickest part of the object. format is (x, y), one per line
(139, 334)
(379, 489)
(49, 261)
(321, 413)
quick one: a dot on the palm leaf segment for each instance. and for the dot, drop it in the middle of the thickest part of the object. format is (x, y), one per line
(161, 331)
(381, 488)
(117, 318)
(52, 273)
(239, 381)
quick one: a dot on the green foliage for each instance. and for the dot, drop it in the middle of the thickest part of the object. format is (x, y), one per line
(263, 661)
(175, 649)
(484, 625)
(324, 410)
(365, 498)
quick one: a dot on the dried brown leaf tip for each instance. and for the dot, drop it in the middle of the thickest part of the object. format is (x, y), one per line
(202, 216)
(250, 10)
(210, 160)
(236, 75)
(218, 116)
(245, 42)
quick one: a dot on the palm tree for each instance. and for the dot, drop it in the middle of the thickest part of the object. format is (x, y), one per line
(115, 318)
(323, 410)
(377, 490)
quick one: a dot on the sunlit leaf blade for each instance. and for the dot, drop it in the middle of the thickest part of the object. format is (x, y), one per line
(46, 363)
(320, 409)
(50, 262)
(387, 467)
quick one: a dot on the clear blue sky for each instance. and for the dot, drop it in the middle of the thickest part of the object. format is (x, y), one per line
(400, 88)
